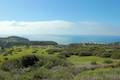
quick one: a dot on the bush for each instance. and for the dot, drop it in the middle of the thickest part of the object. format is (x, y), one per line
(36, 74)
(5, 58)
(85, 53)
(52, 51)
(118, 64)
(65, 54)
(61, 73)
(40, 74)
(18, 50)
(5, 75)
(108, 61)
(35, 51)
(8, 52)
(25, 61)
(10, 65)
(93, 63)
(51, 61)
(106, 54)
(115, 56)
(29, 60)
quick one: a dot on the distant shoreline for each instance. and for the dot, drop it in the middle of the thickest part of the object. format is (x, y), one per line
(68, 39)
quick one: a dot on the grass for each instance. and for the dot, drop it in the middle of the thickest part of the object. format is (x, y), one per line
(100, 74)
(86, 59)
(23, 52)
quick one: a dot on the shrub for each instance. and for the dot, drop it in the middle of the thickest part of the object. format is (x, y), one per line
(5, 75)
(8, 52)
(53, 61)
(5, 54)
(118, 64)
(66, 53)
(36, 74)
(5, 58)
(34, 51)
(18, 50)
(106, 54)
(108, 61)
(28, 60)
(61, 73)
(85, 53)
(115, 56)
(52, 51)
(10, 65)
(25, 61)
(93, 63)
(40, 74)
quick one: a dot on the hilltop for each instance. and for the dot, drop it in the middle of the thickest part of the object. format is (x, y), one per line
(15, 40)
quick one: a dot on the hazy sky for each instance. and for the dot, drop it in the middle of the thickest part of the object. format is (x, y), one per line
(60, 17)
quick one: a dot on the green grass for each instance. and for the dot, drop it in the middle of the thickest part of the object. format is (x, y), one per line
(86, 59)
(25, 51)
(100, 74)
(28, 51)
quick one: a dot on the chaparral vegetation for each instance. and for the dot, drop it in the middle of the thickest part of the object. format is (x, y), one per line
(21, 59)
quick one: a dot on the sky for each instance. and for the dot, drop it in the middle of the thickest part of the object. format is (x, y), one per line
(60, 17)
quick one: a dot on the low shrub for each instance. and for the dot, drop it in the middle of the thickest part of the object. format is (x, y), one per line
(10, 65)
(34, 51)
(61, 73)
(41, 74)
(108, 61)
(29, 60)
(106, 54)
(5, 75)
(118, 64)
(53, 61)
(18, 50)
(66, 53)
(22, 62)
(52, 51)
(85, 53)
(115, 56)
(93, 63)
(5, 58)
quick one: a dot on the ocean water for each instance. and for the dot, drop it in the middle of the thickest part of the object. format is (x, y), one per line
(66, 39)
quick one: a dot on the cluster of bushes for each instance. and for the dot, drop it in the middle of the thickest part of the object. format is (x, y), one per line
(33, 60)
(100, 51)
(11, 51)
(15, 65)
(116, 55)
(55, 66)
(36, 67)
(52, 51)
(100, 74)
(42, 73)
(42, 43)
(52, 61)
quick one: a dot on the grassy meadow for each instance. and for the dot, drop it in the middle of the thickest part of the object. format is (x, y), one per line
(86, 59)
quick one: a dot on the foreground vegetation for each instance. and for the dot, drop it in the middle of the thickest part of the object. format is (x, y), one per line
(100, 74)
(60, 62)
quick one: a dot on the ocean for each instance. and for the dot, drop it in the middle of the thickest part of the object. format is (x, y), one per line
(67, 39)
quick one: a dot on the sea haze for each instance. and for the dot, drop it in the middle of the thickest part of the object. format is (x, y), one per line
(66, 39)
